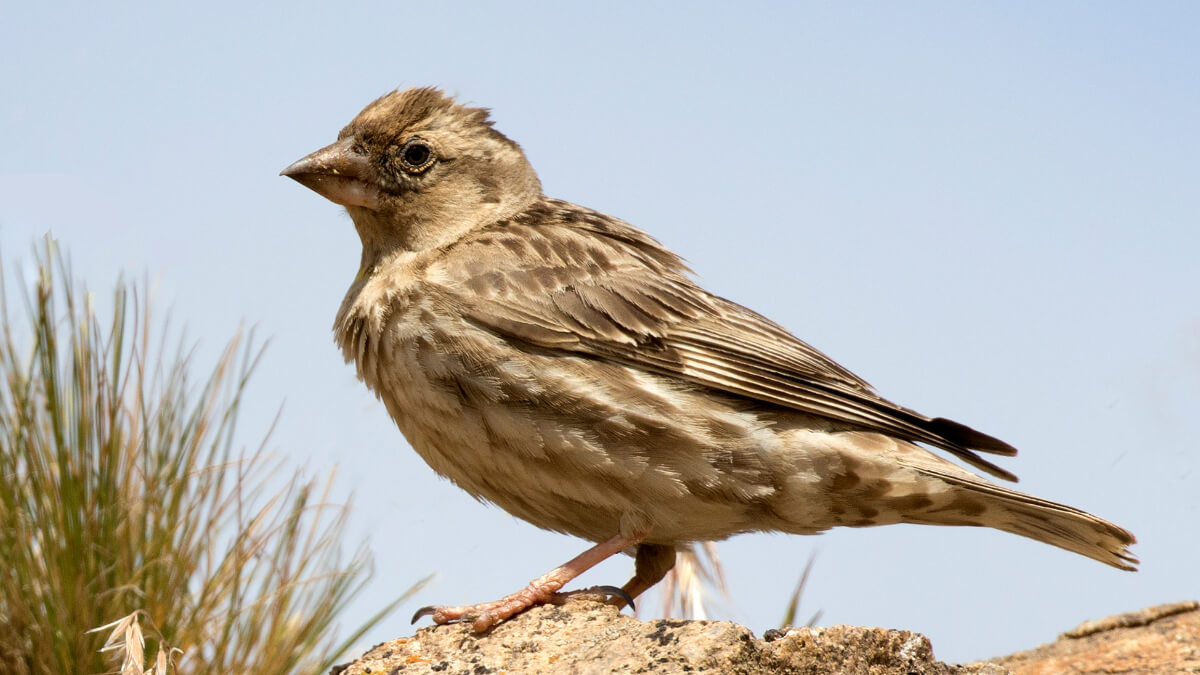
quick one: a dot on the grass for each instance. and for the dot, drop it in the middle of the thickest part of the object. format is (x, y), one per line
(793, 606)
(685, 589)
(124, 493)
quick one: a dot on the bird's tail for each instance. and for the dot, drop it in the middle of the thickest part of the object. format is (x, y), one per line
(978, 502)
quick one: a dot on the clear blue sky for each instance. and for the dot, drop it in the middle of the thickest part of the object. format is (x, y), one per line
(989, 211)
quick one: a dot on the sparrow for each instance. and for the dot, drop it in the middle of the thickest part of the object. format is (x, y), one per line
(562, 364)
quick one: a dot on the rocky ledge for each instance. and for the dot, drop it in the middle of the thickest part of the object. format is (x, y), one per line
(587, 637)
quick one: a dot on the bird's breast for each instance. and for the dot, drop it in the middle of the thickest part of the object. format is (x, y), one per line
(567, 443)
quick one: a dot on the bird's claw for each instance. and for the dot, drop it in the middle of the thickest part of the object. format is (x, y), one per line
(427, 610)
(615, 593)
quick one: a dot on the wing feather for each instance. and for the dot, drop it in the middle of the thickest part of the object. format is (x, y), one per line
(618, 295)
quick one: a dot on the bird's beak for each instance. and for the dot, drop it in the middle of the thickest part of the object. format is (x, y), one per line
(339, 173)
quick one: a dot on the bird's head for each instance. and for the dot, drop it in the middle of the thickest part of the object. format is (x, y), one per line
(416, 170)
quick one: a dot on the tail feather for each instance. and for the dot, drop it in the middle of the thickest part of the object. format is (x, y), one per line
(1056, 524)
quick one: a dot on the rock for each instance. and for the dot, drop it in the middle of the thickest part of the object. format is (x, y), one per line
(1161, 639)
(589, 637)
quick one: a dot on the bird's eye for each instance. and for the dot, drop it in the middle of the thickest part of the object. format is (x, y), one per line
(416, 156)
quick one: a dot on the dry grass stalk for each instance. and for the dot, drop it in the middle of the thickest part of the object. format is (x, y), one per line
(685, 589)
(124, 493)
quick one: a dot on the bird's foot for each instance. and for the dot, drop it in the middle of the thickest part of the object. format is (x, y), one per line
(540, 591)
(487, 614)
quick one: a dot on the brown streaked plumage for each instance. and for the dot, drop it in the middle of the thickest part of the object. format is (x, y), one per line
(562, 364)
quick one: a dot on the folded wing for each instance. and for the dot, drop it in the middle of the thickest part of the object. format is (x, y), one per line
(594, 286)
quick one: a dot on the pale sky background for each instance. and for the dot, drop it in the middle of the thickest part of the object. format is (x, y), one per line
(990, 212)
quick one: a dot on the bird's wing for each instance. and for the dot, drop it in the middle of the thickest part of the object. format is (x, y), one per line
(614, 293)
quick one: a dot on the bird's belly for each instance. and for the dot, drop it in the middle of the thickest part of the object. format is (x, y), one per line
(578, 445)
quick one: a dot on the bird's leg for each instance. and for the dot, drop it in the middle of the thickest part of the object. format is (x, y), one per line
(542, 590)
(652, 563)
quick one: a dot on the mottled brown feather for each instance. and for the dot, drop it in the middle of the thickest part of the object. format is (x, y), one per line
(715, 343)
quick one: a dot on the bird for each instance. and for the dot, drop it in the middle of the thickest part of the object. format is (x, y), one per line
(565, 366)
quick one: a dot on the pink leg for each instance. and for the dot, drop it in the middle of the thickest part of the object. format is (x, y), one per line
(542, 590)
